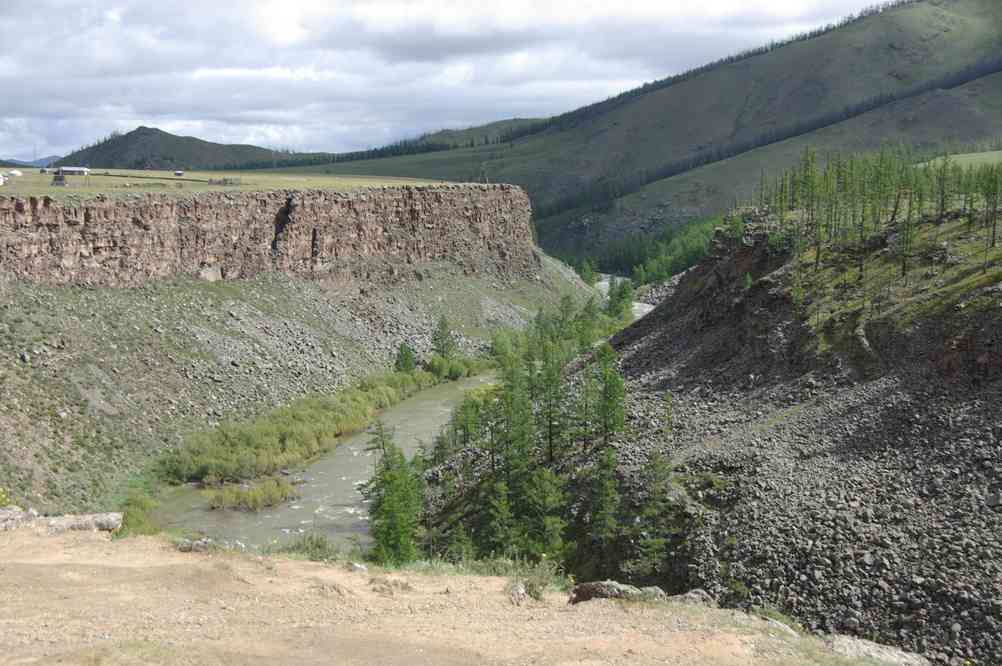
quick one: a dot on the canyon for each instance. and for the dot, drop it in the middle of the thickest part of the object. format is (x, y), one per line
(129, 322)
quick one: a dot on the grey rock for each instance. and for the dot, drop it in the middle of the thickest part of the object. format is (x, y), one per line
(695, 597)
(857, 648)
(610, 589)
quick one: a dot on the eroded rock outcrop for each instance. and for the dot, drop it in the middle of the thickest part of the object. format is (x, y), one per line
(13, 517)
(373, 234)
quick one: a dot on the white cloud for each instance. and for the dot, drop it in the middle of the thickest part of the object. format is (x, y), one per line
(320, 75)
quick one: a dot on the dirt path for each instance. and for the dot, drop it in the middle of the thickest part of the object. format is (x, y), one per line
(81, 598)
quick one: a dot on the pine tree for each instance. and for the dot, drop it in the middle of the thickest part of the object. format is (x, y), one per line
(656, 521)
(396, 494)
(551, 413)
(585, 408)
(499, 535)
(542, 502)
(611, 407)
(668, 418)
(597, 527)
(942, 177)
(907, 232)
(519, 426)
(443, 341)
(588, 273)
(406, 359)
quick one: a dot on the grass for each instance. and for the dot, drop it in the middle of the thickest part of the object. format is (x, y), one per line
(288, 436)
(770, 613)
(535, 578)
(267, 493)
(121, 183)
(313, 546)
(137, 513)
(930, 289)
(975, 159)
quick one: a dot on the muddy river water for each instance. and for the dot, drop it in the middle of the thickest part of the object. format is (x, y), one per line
(330, 499)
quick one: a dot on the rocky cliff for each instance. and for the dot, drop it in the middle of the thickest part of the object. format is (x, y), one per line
(843, 467)
(372, 234)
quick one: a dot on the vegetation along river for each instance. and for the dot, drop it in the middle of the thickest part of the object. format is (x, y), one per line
(330, 500)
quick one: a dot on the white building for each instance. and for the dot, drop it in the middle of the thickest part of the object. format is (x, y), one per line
(73, 171)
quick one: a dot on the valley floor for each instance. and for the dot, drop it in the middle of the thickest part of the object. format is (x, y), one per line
(81, 598)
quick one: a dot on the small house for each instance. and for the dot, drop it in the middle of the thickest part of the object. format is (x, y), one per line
(15, 173)
(72, 171)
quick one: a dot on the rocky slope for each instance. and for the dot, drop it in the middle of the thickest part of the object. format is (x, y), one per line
(855, 484)
(112, 347)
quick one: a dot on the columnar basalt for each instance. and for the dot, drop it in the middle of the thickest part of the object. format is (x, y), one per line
(374, 233)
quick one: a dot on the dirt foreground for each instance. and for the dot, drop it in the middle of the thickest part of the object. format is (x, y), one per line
(82, 598)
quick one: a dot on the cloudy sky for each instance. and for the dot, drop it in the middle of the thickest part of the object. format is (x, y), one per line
(341, 75)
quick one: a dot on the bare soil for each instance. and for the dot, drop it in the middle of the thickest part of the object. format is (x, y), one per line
(82, 598)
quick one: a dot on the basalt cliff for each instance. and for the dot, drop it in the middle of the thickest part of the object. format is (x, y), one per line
(370, 234)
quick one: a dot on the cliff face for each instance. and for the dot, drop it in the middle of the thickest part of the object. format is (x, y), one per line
(373, 234)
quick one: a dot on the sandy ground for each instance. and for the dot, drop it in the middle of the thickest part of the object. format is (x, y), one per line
(81, 598)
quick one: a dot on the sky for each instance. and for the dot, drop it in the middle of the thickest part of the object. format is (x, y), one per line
(346, 75)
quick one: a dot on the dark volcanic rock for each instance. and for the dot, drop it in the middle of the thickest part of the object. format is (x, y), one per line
(857, 491)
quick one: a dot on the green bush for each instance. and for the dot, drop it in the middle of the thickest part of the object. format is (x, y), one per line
(137, 515)
(406, 360)
(5, 498)
(314, 546)
(443, 340)
(536, 578)
(265, 494)
(288, 436)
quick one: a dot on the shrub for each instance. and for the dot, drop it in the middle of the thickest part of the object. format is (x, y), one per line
(314, 546)
(290, 435)
(443, 340)
(5, 498)
(268, 493)
(137, 515)
(539, 577)
(406, 360)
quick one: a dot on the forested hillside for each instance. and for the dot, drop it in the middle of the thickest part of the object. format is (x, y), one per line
(890, 62)
(814, 407)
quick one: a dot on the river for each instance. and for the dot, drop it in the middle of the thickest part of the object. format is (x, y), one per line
(639, 309)
(330, 500)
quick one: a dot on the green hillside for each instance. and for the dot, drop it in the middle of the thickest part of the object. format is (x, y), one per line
(937, 119)
(151, 148)
(483, 134)
(725, 110)
(977, 159)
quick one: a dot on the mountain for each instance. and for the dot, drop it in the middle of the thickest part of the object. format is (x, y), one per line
(40, 162)
(890, 62)
(151, 148)
(941, 118)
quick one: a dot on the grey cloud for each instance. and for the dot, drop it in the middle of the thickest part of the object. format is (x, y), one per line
(77, 71)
